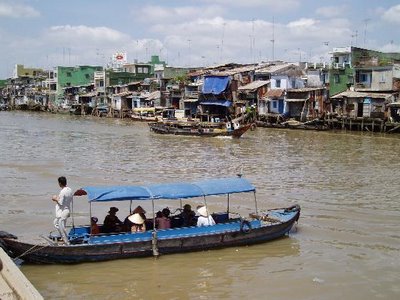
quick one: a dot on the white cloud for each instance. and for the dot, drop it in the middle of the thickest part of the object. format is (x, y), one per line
(332, 11)
(392, 14)
(162, 14)
(302, 23)
(18, 11)
(85, 34)
(223, 40)
(391, 47)
(272, 5)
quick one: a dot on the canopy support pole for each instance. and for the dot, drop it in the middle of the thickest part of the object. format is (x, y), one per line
(255, 201)
(154, 240)
(205, 203)
(227, 209)
(90, 216)
(72, 215)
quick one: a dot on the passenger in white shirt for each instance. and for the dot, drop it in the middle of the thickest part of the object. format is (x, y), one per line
(63, 204)
(205, 219)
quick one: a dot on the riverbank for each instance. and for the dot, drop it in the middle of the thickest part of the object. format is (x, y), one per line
(330, 122)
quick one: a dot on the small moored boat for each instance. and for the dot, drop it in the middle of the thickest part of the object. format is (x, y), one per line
(230, 229)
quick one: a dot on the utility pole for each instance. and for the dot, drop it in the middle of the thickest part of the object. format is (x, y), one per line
(273, 39)
(253, 40)
(189, 40)
(365, 30)
(222, 40)
(355, 35)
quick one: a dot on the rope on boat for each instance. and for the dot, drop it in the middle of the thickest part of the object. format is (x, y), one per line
(31, 250)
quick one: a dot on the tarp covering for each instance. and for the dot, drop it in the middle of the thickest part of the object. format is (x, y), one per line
(226, 103)
(168, 190)
(215, 84)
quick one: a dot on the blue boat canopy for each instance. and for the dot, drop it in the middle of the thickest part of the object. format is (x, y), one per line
(215, 84)
(168, 190)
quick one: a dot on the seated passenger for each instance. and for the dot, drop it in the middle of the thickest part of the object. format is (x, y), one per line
(188, 216)
(205, 219)
(138, 224)
(163, 221)
(111, 222)
(94, 228)
(128, 224)
(141, 211)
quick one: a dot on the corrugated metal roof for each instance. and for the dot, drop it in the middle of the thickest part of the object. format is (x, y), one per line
(234, 71)
(275, 93)
(274, 68)
(252, 86)
(91, 94)
(353, 94)
(123, 94)
(153, 96)
(302, 90)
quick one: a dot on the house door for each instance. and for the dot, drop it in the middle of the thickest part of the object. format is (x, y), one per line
(280, 106)
(360, 107)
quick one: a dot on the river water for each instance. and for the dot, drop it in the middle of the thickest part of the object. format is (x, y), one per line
(346, 245)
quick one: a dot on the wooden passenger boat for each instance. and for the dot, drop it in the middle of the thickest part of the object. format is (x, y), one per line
(229, 230)
(199, 128)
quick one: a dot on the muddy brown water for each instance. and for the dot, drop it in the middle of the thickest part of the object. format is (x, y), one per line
(346, 244)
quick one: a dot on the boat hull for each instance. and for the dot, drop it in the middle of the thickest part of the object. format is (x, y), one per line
(174, 240)
(163, 128)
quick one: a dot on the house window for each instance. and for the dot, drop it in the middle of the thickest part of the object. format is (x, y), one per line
(278, 83)
(336, 78)
(350, 79)
(140, 69)
(363, 77)
(274, 104)
(293, 84)
(382, 78)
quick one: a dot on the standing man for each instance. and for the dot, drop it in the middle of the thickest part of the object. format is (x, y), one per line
(63, 203)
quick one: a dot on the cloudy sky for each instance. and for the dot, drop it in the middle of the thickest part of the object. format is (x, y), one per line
(47, 33)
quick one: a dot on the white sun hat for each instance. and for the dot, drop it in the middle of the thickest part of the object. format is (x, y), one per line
(203, 211)
(136, 219)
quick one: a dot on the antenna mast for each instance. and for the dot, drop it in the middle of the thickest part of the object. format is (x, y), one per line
(273, 39)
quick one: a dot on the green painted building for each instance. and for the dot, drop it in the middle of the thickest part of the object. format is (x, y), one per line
(346, 61)
(74, 76)
(119, 78)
